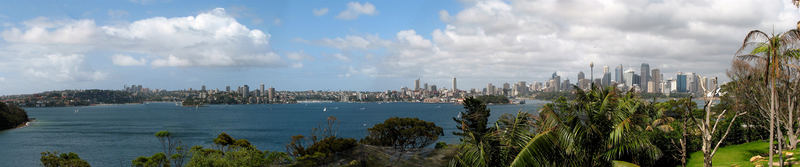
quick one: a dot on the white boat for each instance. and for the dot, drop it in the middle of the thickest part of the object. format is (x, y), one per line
(325, 109)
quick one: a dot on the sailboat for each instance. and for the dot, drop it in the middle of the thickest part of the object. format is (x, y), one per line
(76, 110)
(325, 109)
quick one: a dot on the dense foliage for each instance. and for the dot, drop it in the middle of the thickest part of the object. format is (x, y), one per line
(62, 160)
(403, 133)
(11, 116)
(493, 99)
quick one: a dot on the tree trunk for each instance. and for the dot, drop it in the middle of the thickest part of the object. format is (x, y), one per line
(771, 123)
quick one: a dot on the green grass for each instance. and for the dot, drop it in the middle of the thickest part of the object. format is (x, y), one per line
(733, 155)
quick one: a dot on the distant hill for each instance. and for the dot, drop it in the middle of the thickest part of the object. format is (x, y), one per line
(11, 116)
(494, 99)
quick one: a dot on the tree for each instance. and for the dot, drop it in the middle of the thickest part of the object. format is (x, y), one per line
(708, 128)
(169, 146)
(474, 119)
(773, 50)
(403, 133)
(595, 129)
(223, 140)
(62, 160)
(500, 146)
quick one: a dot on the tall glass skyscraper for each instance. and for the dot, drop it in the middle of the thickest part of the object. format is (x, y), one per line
(645, 76)
(680, 82)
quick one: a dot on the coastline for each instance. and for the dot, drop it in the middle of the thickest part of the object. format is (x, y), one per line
(24, 124)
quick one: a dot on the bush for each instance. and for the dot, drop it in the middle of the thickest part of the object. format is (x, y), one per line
(403, 133)
(440, 145)
(62, 160)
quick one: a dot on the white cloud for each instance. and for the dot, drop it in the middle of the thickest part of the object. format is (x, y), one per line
(210, 39)
(319, 12)
(297, 65)
(354, 9)
(340, 57)
(495, 40)
(125, 60)
(57, 67)
(299, 56)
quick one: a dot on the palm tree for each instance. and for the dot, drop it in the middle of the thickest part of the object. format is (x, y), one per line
(595, 129)
(499, 146)
(773, 50)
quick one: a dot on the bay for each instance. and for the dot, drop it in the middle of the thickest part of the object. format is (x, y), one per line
(113, 135)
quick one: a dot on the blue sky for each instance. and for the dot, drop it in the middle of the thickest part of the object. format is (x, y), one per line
(362, 45)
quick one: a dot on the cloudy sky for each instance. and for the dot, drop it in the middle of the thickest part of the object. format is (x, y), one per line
(364, 45)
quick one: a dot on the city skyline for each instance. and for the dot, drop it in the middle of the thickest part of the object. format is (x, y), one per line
(361, 45)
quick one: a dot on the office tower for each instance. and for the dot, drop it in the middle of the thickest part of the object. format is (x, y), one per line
(261, 90)
(581, 75)
(680, 83)
(454, 84)
(228, 88)
(506, 88)
(691, 87)
(591, 71)
(203, 88)
(656, 76)
(651, 87)
(433, 88)
(416, 84)
(271, 93)
(628, 78)
(619, 72)
(645, 76)
(426, 87)
(246, 91)
(490, 89)
(551, 85)
(566, 86)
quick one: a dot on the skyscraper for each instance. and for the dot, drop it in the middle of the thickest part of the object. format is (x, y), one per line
(454, 84)
(628, 78)
(557, 80)
(657, 80)
(261, 90)
(271, 94)
(246, 91)
(680, 83)
(416, 84)
(619, 73)
(645, 76)
(228, 88)
(581, 76)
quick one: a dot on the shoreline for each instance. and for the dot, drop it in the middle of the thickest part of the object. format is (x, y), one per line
(23, 125)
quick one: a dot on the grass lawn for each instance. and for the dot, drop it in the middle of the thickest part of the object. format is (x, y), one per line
(733, 155)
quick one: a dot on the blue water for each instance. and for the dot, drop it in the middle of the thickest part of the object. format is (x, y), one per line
(114, 135)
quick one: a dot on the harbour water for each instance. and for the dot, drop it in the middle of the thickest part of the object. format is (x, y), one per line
(113, 135)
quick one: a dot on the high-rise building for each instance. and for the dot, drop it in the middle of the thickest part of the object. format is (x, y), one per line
(427, 88)
(628, 78)
(557, 83)
(657, 78)
(680, 83)
(645, 76)
(246, 91)
(490, 89)
(619, 72)
(228, 88)
(691, 82)
(454, 84)
(261, 90)
(416, 84)
(651, 87)
(271, 93)
(203, 88)
(581, 75)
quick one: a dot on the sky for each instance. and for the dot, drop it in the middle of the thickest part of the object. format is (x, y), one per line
(365, 45)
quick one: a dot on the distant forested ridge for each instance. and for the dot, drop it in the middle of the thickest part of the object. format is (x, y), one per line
(11, 116)
(494, 99)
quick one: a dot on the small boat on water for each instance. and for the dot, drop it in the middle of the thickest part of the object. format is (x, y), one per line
(325, 109)
(363, 108)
